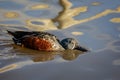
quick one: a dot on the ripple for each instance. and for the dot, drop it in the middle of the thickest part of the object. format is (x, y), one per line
(66, 16)
(11, 15)
(103, 37)
(116, 62)
(115, 20)
(37, 23)
(39, 6)
(47, 24)
(8, 68)
(96, 3)
(77, 33)
(115, 45)
(112, 45)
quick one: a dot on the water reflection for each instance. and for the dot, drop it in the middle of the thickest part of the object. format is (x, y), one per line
(9, 54)
(77, 33)
(71, 54)
(42, 56)
(115, 20)
(7, 68)
(113, 45)
(65, 17)
(39, 6)
(11, 15)
(48, 24)
(96, 3)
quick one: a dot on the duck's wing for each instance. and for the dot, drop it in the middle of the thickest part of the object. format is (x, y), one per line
(19, 34)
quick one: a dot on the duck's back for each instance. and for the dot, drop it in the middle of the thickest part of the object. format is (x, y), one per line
(20, 34)
(37, 40)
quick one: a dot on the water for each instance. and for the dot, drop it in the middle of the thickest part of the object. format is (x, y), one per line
(95, 24)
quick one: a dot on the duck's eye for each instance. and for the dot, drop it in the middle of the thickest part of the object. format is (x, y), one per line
(69, 41)
(72, 42)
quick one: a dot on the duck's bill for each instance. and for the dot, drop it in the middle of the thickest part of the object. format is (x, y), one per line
(81, 49)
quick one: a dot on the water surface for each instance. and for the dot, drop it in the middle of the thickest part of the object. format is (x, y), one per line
(94, 23)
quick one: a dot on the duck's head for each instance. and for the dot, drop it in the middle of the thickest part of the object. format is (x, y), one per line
(72, 44)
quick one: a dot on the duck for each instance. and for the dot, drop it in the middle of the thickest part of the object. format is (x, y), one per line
(44, 41)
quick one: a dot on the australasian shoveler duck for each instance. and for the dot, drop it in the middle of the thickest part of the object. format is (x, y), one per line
(44, 41)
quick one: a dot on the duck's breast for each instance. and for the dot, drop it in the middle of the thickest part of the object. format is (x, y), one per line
(37, 43)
